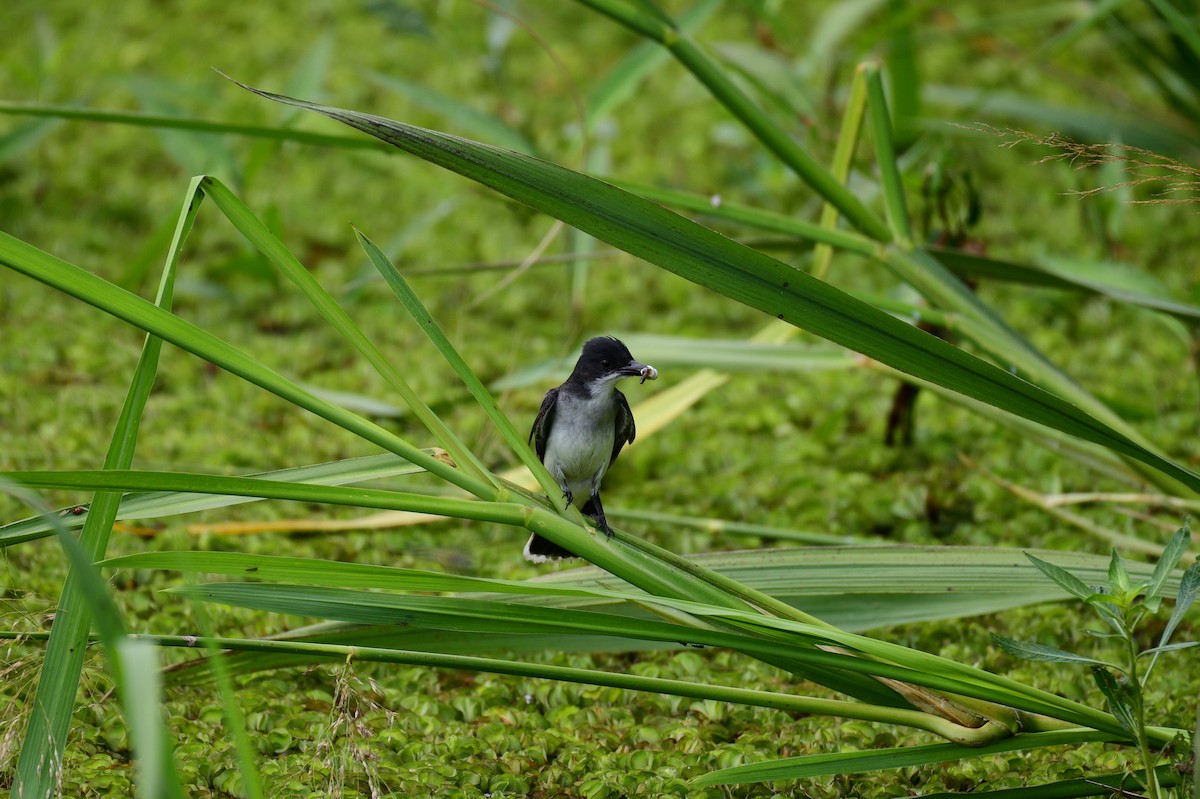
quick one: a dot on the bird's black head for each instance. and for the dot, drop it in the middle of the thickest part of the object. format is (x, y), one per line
(607, 359)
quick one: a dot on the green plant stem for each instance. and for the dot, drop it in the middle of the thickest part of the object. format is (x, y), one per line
(1143, 741)
(801, 704)
(843, 158)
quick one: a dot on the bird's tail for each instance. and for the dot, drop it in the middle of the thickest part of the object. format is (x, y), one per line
(539, 550)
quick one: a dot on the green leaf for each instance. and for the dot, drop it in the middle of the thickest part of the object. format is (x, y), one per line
(1028, 650)
(620, 82)
(970, 265)
(1122, 697)
(517, 442)
(1118, 577)
(269, 245)
(900, 757)
(1169, 648)
(1167, 562)
(1069, 582)
(277, 133)
(173, 503)
(457, 113)
(1188, 587)
(697, 253)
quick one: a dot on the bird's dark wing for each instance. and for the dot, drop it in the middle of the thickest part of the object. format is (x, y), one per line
(625, 429)
(540, 433)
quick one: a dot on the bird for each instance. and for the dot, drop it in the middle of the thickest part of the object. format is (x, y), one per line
(580, 430)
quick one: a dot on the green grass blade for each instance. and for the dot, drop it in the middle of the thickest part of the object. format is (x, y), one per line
(885, 157)
(975, 266)
(457, 114)
(737, 213)
(650, 231)
(1182, 27)
(336, 574)
(269, 245)
(98, 292)
(1122, 783)
(843, 160)
(161, 504)
(774, 137)
(903, 69)
(621, 680)
(420, 314)
(793, 768)
(620, 82)
(113, 480)
(186, 123)
(54, 703)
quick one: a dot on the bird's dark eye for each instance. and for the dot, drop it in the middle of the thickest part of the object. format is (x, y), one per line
(605, 363)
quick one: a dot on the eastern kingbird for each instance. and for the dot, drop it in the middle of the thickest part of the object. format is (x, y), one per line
(581, 428)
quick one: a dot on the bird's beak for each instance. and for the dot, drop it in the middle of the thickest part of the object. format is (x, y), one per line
(635, 369)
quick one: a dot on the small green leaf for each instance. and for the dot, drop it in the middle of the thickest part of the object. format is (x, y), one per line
(1170, 559)
(1188, 587)
(1069, 582)
(1122, 698)
(1118, 577)
(1027, 650)
(1169, 648)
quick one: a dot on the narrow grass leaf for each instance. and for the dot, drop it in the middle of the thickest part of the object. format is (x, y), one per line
(174, 503)
(257, 233)
(799, 704)
(885, 155)
(119, 480)
(975, 266)
(457, 113)
(620, 82)
(420, 314)
(1122, 785)
(795, 639)
(188, 123)
(901, 757)
(697, 253)
(98, 292)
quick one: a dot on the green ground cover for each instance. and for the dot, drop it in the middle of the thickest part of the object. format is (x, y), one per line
(801, 451)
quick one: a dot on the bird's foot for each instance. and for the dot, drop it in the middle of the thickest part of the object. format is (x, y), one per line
(568, 496)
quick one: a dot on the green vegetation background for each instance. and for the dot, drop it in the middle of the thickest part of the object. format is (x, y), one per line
(797, 451)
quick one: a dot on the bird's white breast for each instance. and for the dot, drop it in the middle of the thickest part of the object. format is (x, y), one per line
(579, 452)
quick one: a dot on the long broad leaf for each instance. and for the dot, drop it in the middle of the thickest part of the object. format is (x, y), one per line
(705, 257)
